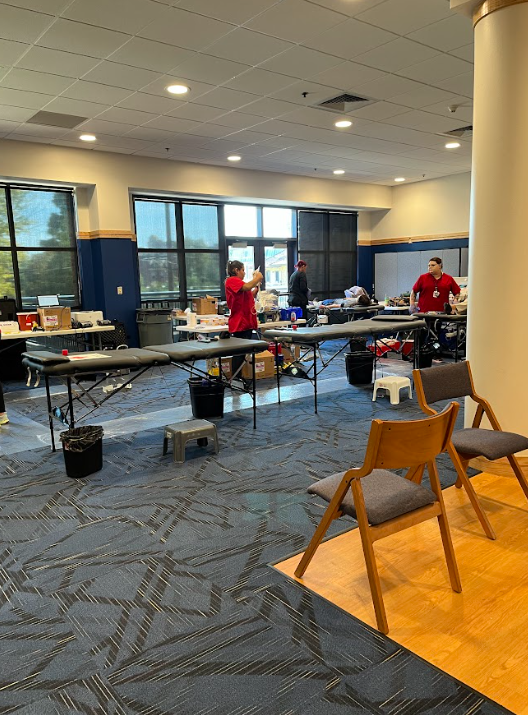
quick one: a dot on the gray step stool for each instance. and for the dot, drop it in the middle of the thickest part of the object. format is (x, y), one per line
(182, 432)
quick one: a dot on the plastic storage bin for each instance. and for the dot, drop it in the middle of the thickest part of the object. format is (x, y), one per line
(154, 326)
(359, 366)
(207, 398)
(82, 448)
(286, 313)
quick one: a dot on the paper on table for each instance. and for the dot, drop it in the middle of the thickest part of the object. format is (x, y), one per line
(88, 356)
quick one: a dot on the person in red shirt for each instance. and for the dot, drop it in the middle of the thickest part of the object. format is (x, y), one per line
(240, 297)
(434, 288)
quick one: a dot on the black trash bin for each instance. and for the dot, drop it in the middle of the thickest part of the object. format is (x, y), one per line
(83, 450)
(425, 359)
(359, 366)
(357, 344)
(207, 397)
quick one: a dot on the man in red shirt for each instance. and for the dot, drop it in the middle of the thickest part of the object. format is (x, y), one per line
(434, 288)
(240, 297)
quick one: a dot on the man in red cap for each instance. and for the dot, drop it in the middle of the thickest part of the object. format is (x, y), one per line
(298, 291)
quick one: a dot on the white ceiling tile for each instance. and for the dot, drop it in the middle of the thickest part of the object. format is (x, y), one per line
(301, 62)
(128, 16)
(31, 81)
(50, 7)
(222, 97)
(28, 138)
(96, 92)
(16, 98)
(446, 35)
(112, 149)
(426, 122)
(185, 29)
(316, 93)
(295, 20)
(81, 39)
(404, 16)
(206, 68)
(124, 142)
(198, 112)
(440, 67)
(15, 114)
(66, 64)
(464, 108)
(171, 124)
(63, 105)
(465, 53)
(149, 103)
(378, 111)
(38, 130)
(210, 130)
(349, 39)
(6, 127)
(396, 54)
(126, 116)
(87, 146)
(150, 134)
(117, 75)
(159, 88)
(462, 84)
(421, 96)
(386, 87)
(99, 126)
(351, 9)
(348, 75)
(238, 120)
(228, 10)
(10, 52)
(268, 107)
(247, 47)
(22, 25)
(149, 55)
(260, 82)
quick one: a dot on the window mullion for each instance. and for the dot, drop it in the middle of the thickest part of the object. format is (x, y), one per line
(14, 256)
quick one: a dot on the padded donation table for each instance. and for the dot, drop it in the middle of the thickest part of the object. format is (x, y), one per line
(313, 338)
(76, 367)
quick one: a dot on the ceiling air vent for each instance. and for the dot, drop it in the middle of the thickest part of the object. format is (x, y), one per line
(344, 103)
(53, 119)
(460, 133)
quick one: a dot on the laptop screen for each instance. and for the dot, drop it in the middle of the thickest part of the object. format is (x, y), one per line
(47, 301)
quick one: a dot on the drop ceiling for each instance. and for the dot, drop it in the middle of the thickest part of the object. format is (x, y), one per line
(256, 71)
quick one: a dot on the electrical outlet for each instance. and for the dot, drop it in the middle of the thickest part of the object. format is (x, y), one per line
(119, 290)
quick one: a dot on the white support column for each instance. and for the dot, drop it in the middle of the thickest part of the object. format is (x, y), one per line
(498, 253)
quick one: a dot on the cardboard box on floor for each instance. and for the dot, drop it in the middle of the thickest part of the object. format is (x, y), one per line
(58, 318)
(291, 353)
(264, 366)
(205, 306)
(227, 367)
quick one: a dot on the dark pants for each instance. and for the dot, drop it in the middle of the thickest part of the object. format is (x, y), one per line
(238, 360)
(2, 403)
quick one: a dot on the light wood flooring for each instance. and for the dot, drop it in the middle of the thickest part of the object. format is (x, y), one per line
(478, 636)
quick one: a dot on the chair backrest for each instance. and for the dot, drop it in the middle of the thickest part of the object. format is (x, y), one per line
(409, 443)
(445, 382)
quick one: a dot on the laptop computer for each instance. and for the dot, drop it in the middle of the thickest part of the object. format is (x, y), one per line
(47, 301)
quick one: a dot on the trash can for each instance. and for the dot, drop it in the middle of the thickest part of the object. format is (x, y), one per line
(357, 344)
(83, 450)
(207, 398)
(359, 367)
(425, 358)
(154, 325)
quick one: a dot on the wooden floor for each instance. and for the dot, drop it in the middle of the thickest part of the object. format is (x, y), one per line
(478, 636)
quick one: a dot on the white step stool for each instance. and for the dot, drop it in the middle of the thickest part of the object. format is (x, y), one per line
(393, 384)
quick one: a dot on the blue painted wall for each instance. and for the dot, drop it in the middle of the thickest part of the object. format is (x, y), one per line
(105, 264)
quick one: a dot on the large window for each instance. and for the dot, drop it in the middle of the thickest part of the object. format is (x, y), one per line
(38, 253)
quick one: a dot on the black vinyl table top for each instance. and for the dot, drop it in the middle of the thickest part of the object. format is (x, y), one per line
(357, 328)
(446, 317)
(49, 363)
(189, 350)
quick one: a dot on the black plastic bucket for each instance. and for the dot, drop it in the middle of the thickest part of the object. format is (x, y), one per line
(359, 366)
(425, 358)
(357, 344)
(82, 448)
(207, 398)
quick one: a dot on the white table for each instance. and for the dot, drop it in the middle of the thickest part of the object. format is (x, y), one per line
(212, 329)
(39, 334)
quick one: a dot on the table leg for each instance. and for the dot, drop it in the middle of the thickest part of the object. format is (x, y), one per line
(50, 415)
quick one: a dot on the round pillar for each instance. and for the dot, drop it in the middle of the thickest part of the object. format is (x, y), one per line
(498, 245)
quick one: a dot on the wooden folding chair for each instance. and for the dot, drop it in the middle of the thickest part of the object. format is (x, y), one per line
(384, 503)
(447, 382)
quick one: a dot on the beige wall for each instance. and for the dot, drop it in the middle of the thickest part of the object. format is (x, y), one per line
(438, 208)
(104, 204)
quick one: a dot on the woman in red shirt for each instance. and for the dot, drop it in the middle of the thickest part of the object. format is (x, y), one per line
(240, 297)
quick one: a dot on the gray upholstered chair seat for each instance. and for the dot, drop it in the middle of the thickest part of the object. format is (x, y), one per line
(491, 444)
(386, 495)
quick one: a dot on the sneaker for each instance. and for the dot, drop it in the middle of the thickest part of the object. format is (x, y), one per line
(4, 419)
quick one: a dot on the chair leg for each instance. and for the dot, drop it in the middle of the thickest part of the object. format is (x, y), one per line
(328, 518)
(416, 475)
(512, 459)
(443, 524)
(465, 481)
(165, 444)
(374, 394)
(370, 560)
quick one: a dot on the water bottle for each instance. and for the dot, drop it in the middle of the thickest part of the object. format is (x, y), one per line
(293, 316)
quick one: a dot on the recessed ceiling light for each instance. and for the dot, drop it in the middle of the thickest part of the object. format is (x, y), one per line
(399, 179)
(339, 171)
(452, 145)
(177, 88)
(342, 123)
(234, 157)
(88, 137)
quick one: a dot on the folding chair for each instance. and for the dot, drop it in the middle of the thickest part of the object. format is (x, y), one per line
(446, 382)
(383, 502)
